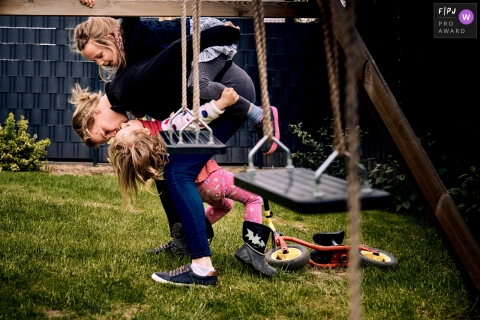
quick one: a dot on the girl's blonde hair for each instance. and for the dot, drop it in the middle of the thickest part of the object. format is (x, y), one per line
(137, 161)
(83, 117)
(102, 31)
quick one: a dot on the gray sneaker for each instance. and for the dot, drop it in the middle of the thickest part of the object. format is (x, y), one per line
(163, 247)
(178, 245)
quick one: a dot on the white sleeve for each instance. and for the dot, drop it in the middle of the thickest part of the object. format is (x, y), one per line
(207, 112)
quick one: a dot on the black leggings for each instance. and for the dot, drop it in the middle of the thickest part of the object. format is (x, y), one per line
(212, 90)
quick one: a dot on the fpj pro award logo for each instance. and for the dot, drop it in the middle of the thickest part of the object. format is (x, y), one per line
(455, 20)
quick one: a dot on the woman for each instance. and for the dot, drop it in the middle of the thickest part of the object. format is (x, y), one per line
(136, 88)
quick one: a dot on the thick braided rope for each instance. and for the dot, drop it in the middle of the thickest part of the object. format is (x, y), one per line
(196, 53)
(184, 55)
(259, 25)
(353, 204)
(331, 54)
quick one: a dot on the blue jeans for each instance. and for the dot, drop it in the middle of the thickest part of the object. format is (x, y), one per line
(182, 170)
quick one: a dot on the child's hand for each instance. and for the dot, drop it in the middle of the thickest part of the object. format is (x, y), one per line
(88, 3)
(229, 97)
(230, 24)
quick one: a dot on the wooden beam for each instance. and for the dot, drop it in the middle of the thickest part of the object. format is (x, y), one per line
(439, 206)
(155, 8)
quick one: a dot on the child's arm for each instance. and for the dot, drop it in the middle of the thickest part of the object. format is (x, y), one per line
(207, 112)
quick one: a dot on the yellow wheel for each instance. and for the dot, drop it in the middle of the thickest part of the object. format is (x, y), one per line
(379, 258)
(296, 258)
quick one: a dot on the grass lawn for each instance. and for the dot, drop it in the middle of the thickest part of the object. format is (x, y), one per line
(70, 250)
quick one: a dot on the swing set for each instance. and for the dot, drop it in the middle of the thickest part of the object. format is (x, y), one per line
(303, 190)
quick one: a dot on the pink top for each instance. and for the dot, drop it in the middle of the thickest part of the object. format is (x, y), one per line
(154, 126)
(209, 167)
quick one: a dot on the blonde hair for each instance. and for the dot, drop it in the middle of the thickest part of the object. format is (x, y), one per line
(102, 32)
(136, 161)
(83, 117)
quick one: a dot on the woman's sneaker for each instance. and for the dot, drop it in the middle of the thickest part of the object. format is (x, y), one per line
(269, 147)
(185, 276)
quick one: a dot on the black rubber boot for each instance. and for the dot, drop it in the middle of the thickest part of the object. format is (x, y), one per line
(252, 252)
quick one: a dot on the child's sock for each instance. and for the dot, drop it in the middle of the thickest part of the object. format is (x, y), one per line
(200, 270)
(255, 115)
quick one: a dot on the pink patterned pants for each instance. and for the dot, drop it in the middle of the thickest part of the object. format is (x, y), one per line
(219, 192)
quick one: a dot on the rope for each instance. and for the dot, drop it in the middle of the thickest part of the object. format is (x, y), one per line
(184, 55)
(351, 115)
(353, 204)
(196, 52)
(331, 54)
(259, 27)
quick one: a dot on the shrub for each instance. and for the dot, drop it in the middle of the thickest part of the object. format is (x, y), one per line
(19, 151)
(466, 198)
(389, 177)
(318, 147)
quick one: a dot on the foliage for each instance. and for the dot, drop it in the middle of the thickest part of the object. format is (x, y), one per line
(469, 192)
(467, 196)
(388, 176)
(19, 151)
(319, 146)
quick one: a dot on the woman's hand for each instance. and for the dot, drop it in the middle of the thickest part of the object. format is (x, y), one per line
(229, 97)
(88, 3)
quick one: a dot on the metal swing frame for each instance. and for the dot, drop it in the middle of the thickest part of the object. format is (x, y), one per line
(197, 141)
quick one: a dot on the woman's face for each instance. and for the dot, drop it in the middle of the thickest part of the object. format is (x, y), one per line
(127, 128)
(106, 122)
(102, 56)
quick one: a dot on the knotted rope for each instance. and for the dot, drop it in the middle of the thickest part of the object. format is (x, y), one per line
(259, 27)
(351, 115)
(196, 53)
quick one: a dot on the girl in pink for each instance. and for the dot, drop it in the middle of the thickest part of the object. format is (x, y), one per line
(138, 154)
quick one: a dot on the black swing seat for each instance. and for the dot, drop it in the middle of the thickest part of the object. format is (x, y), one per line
(193, 142)
(293, 189)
